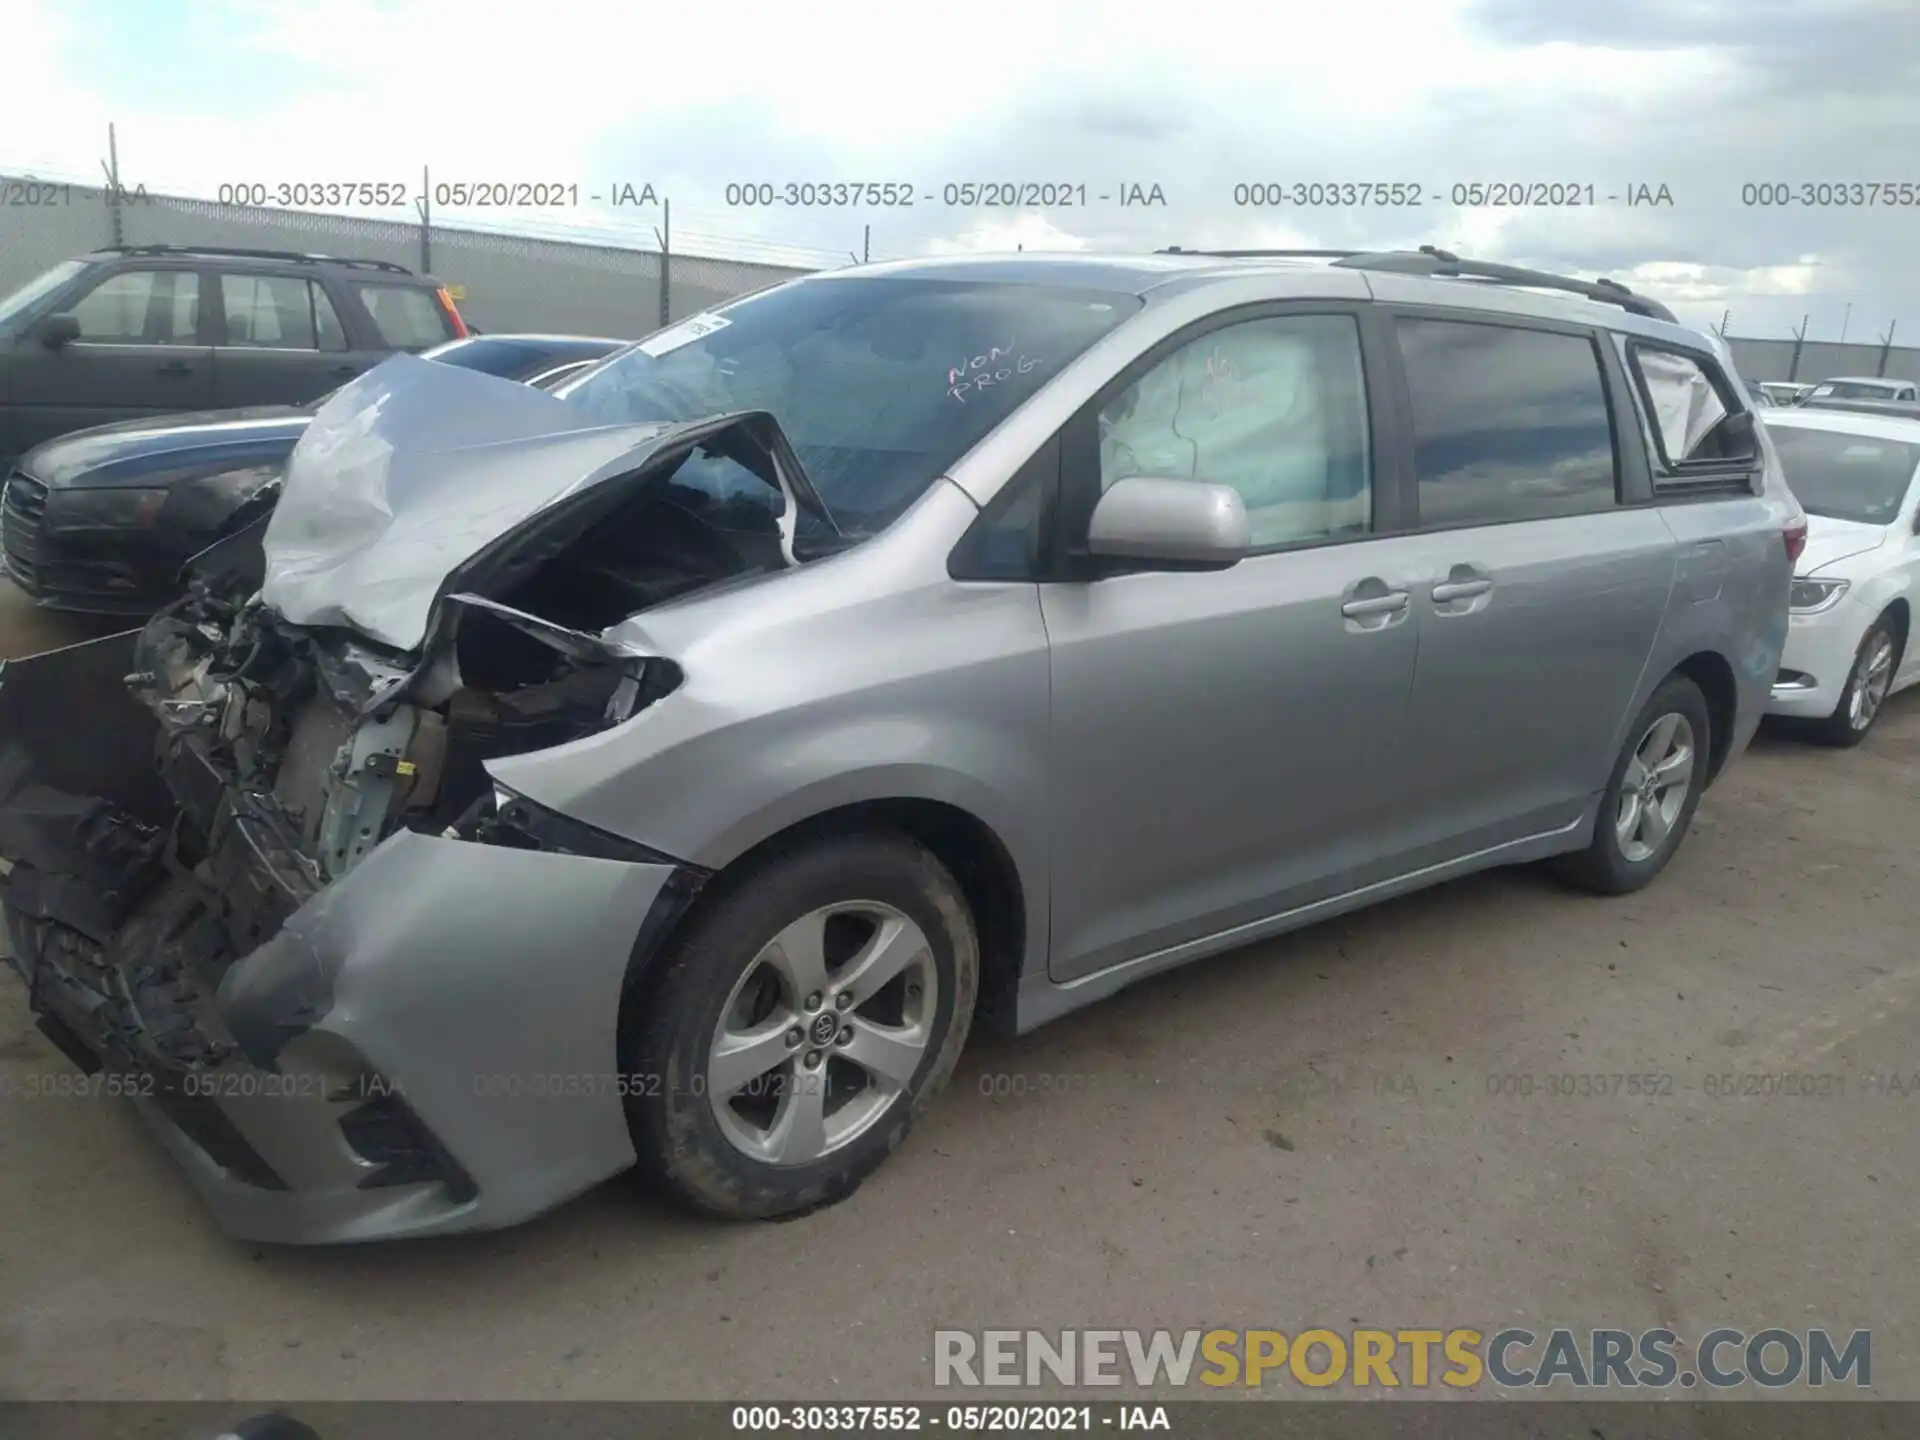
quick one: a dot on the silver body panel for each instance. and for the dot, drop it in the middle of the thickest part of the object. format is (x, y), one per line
(1173, 763)
(1331, 764)
(482, 986)
(867, 676)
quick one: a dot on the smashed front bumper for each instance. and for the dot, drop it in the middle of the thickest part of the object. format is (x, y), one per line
(426, 1046)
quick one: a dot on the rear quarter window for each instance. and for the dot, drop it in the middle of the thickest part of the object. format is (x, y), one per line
(1686, 403)
(407, 319)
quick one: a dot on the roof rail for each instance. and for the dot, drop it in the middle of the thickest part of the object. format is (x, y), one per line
(242, 253)
(1263, 254)
(1433, 261)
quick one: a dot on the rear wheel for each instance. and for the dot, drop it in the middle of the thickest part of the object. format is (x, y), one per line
(1651, 795)
(795, 1032)
(1866, 690)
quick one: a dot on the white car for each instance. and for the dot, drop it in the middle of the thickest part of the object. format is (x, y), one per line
(1864, 387)
(1853, 587)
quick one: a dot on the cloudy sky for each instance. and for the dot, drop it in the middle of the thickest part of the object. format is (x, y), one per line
(1703, 97)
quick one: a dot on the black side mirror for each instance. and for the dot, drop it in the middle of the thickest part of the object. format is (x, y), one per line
(58, 331)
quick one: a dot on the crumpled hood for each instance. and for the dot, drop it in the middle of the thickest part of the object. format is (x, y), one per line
(409, 472)
(1829, 540)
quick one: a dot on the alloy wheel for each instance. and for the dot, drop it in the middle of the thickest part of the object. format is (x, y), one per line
(1654, 788)
(1871, 682)
(822, 1032)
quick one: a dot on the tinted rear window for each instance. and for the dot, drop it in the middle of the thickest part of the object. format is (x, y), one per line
(1845, 477)
(407, 319)
(1509, 424)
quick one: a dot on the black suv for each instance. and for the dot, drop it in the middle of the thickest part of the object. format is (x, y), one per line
(157, 329)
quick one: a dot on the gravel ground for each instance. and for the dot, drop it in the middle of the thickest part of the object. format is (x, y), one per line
(1305, 1132)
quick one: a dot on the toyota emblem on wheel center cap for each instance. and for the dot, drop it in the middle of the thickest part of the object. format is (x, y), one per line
(825, 1027)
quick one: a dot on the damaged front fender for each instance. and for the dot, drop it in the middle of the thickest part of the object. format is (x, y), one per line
(426, 1045)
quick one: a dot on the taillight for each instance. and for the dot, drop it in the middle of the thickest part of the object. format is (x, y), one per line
(453, 314)
(1795, 535)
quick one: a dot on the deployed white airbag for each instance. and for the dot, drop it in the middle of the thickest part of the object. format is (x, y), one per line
(1685, 405)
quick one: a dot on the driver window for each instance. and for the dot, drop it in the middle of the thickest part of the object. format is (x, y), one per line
(142, 307)
(1276, 408)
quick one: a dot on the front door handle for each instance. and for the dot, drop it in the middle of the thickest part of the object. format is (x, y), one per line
(345, 370)
(1460, 590)
(1375, 605)
(173, 367)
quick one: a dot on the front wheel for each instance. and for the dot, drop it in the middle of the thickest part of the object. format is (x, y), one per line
(1650, 796)
(1866, 690)
(795, 1032)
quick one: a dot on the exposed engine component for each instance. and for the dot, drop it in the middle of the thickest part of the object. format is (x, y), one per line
(235, 763)
(326, 737)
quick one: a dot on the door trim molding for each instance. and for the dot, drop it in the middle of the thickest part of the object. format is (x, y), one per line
(1043, 998)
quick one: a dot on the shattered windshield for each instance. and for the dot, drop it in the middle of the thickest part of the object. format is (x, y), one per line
(880, 383)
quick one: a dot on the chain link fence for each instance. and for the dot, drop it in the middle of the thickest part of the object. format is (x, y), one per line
(520, 282)
(1811, 360)
(505, 282)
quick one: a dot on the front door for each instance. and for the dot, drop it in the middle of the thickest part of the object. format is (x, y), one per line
(139, 354)
(1229, 745)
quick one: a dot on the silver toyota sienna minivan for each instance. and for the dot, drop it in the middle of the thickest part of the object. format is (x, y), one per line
(675, 768)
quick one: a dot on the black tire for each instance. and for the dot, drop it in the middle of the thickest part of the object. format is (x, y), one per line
(676, 1133)
(1604, 867)
(1840, 729)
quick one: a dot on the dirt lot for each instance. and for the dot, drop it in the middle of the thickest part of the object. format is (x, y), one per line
(1311, 1131)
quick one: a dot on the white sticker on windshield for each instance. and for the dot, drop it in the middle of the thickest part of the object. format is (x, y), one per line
(685, 333)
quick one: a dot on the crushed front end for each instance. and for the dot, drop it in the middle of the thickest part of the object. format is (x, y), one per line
(260, 872)
(256, 863)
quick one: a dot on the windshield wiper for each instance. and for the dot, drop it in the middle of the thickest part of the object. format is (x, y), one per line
(819, 547)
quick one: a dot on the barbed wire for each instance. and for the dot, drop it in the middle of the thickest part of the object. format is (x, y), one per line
(698, 232)
(641, 234)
